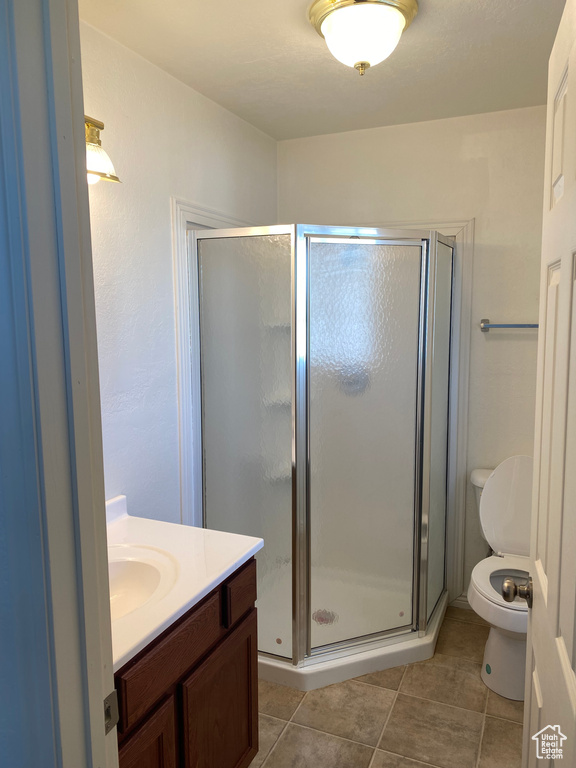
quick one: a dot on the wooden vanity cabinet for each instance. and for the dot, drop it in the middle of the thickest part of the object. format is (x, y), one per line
(190, 698)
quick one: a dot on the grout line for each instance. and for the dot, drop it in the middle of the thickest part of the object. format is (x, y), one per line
(396, 692)
(298, 707)
(371, 763)
(287, 723)
(453, 656)
(273, 717)
(455, 706)
(333, 735)
(273, 747)
(414, 760)
(444, 704)
(375, 685)
(482, 731)
(465, 621)
(506, 719)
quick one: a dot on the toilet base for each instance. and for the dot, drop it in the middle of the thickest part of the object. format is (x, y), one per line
(504, 664)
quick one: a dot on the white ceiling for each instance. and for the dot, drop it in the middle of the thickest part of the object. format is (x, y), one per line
(262, 60)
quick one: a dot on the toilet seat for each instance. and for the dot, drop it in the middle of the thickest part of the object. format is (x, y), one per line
(505, 507)
(485, 568)
(489, 604)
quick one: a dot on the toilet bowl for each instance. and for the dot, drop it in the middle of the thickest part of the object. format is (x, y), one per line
(505, 506)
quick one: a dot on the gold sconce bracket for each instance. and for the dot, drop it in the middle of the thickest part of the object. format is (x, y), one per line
(92, 130)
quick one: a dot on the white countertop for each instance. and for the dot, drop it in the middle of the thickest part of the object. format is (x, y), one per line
(192, 562)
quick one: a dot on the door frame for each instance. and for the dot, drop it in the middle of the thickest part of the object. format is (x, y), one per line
(187, 218)
(52, 376)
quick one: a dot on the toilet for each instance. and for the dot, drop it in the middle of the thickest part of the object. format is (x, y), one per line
(505, 499)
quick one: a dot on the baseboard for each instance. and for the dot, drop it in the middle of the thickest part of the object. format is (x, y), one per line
(461, 602)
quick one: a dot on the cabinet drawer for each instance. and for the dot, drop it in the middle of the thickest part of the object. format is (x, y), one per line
(239, 594)
(142, 683)
(154, 744)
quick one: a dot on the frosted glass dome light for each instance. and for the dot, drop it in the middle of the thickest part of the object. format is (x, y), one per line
(362, 33)
(98, 164)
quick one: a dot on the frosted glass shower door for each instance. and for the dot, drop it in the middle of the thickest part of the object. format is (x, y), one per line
(364, 316)
(246, 363)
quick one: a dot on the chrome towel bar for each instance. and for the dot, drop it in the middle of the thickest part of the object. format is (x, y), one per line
(485, 325)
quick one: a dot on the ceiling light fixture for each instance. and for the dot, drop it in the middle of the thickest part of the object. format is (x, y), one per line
(362, 33)
(98, 164)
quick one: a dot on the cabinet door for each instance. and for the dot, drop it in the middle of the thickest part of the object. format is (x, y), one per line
(220, 703)
(153, 745)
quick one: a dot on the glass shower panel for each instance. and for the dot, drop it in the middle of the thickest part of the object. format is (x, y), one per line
(246, 349)
(439, 365)
(363, 371)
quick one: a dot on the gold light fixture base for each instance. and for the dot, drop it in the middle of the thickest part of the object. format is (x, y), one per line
(320, 9)
(92, 128)
(361, 66)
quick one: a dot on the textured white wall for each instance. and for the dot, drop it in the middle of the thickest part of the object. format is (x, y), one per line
(165, 140)
(489, 167)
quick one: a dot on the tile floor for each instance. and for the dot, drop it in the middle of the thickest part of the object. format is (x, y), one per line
(434, 713)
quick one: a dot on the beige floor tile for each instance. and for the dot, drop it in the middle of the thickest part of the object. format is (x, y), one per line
(506, 708)
(269, 729)
(458, 638)
(278, 700)
(447, 679)
(432, 732)
(501, 744)
(464, 614)
(472, 667)
(350, 710)
(305, 748)
(387, 678)
(388, 760)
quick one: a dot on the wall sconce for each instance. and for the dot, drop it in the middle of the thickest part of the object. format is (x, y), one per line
(98, 164)
(362, 33)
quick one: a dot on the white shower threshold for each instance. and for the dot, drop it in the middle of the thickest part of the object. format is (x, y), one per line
(320, 671)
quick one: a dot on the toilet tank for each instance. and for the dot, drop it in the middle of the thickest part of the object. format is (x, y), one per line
(478, 479)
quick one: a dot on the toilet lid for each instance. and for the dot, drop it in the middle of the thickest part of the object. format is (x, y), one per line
(505, 506)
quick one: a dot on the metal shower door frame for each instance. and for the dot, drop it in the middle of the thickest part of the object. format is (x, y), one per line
(425, 435)
(305, 235)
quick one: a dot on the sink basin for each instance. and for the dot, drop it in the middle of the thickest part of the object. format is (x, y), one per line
(138, 576)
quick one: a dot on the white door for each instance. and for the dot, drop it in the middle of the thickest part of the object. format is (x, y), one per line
(54, 558)
(551, 658)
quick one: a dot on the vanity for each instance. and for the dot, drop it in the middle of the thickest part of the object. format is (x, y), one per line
(184, 638)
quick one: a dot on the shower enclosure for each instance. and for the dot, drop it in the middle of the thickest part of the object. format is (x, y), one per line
(325, 356)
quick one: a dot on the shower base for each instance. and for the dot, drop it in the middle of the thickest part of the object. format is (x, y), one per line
(336, 605)
(343, 663)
